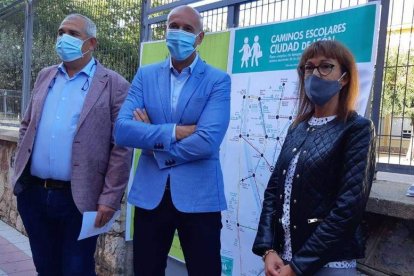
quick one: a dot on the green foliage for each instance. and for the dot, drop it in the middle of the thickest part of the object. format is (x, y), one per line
(11, 58)
(6, 3)
(118, 35)
(398, 91)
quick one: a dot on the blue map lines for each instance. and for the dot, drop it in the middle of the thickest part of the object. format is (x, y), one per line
(263, 106)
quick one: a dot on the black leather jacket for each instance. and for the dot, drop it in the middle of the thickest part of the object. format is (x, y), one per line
(330, 190)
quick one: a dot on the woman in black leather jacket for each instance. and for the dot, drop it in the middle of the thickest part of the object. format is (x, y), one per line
(316, 196)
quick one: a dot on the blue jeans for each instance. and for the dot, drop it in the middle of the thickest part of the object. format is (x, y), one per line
(53, 223)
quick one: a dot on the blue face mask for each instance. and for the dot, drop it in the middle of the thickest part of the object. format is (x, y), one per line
(69, 48)
(180, 43)
(320, 91)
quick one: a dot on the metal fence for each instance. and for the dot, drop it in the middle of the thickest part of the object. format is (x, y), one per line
(118, 36)
(393, 91)
(395, 144)
(10, 105)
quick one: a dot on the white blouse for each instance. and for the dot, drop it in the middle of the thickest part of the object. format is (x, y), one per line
(287, 247)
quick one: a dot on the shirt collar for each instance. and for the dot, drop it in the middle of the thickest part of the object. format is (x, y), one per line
(191, 67)
(87, 70)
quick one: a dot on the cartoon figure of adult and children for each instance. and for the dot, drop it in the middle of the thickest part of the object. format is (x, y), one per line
(254, 52)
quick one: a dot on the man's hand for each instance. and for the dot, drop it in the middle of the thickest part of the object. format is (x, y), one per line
(182, 132)
(273, 264)
(287, 271)
(141, 115)
(104, 215)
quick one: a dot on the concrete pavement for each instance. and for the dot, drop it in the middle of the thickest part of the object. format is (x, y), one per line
(15, 254)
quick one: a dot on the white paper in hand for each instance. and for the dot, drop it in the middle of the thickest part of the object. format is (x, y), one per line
(88, 225)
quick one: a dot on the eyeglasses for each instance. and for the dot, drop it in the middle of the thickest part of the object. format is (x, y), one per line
(85, 86)
(324, 68)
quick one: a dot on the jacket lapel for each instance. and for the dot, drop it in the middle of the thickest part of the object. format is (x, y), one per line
(164, 88)
(189, 88)
(98, 84)
(43, 91)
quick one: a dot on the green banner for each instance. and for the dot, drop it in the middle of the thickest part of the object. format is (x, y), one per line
(157, 51)
(279, 46)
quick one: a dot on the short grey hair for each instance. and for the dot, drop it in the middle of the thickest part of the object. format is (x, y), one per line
(90, 26)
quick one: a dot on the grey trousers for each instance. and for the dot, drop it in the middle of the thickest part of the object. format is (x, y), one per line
(327, 271)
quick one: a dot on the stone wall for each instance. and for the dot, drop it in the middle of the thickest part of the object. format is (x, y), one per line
(8, 209)
(113, 255)
(390, 246)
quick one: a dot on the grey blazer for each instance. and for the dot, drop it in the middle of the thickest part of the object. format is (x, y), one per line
(100, 169)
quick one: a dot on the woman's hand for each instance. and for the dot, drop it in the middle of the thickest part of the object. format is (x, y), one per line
(287, 271)
(273, 264)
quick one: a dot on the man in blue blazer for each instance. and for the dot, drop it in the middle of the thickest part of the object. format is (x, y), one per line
(177, 112)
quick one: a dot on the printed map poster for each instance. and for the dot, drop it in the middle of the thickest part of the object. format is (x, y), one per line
(264, 100)
(214, 50)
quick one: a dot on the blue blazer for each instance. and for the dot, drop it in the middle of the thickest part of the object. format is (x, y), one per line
(193, 164)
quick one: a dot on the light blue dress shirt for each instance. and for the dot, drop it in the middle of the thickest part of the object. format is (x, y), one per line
(52, 151)
(177, 81)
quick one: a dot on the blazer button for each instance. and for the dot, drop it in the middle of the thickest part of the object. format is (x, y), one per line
(280, 220)
(294, 227)
(304, 152)
(281, 196)
(294, 201)
(294, 150)
(29, 150)
(284, 172)
(297, 176)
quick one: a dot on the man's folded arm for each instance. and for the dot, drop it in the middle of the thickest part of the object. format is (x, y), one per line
(209, 133)
(131, 133)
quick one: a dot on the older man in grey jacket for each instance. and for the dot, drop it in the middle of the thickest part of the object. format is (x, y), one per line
(67, 162)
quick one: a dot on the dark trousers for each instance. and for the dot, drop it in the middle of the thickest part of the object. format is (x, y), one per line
(53, 223)
(199, 235)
